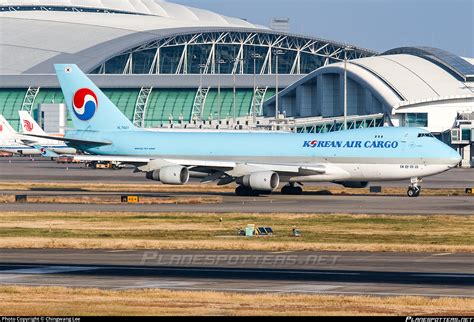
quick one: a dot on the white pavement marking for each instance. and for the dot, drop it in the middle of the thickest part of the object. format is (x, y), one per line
(307, 288)
(22, 272)
(445, 275)
(160, 284)
(47, 270)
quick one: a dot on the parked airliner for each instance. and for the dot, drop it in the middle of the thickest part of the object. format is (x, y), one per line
(23, 143)
(257, 162)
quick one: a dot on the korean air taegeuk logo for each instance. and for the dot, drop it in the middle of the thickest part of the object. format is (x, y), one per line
(85, 104)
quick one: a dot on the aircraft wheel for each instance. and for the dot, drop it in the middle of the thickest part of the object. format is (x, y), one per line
(413, 192)
(297, 190)
(245, 192)
(291, 190)
(418, 191)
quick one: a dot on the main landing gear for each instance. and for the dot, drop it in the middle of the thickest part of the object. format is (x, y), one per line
(247, 192)
(291, 189)
(414, 189)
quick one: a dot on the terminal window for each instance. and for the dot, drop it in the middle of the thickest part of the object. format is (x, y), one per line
(466, 134)
(416, 119)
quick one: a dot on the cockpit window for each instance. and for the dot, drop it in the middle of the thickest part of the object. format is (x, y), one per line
(423, 135)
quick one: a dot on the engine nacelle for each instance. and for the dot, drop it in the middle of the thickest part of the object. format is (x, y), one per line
(260, 181)
(354, 184)
(173, 174)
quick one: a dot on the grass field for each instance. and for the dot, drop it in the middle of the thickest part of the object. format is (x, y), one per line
(103, 200)
(57, 301)
(205, 231)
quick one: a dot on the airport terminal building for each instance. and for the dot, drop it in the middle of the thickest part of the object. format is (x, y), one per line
(167, 65)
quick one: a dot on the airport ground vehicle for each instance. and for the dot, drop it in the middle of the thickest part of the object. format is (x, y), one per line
(104, 165)
(65, 159)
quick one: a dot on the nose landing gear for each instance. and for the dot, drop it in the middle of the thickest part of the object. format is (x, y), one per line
(414, 189)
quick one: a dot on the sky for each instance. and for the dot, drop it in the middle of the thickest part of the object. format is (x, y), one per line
(379, 25)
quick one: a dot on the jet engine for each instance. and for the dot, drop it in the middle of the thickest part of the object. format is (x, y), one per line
(174, 174)
(260, 181)
(354, 184)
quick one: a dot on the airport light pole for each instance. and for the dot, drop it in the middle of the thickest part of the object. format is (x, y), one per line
(219, 101)
(235, 60)
(346, 49)
(255, 56)
(200, 76)
(277, 53)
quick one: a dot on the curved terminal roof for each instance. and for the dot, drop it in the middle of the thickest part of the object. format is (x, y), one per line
(35, 34)
(413, 77)
(155, 8)
(31, 35)
(469, 60)
(455, 64)
(397, 79)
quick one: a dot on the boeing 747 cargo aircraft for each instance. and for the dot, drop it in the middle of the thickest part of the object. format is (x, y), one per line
(257, 162)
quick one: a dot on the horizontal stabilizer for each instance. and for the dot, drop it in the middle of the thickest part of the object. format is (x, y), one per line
(28, 142)
(47, 153)
(72, 140)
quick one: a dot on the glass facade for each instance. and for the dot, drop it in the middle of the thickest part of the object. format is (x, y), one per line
(237, 52)
(11, 101)
(466, 134)
(416, 119)
(225, 52)
(164, 105)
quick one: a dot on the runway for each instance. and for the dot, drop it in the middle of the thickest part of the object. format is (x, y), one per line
(359, 204)
(22, 169)
(349, 273)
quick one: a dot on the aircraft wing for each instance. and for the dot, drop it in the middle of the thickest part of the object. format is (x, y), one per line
(229, 169)
(71, 140)
(28, 142)
(113, 158)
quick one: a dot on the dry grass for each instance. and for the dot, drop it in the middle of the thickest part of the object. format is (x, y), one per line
(248, 245)
(113, 187)
(204, 231)
(58, 301)
(101, 200)
(208, 188)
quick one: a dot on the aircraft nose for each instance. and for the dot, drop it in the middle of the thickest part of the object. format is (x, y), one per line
(454, 158)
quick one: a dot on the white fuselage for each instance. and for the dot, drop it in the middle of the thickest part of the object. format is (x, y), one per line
(16, 144)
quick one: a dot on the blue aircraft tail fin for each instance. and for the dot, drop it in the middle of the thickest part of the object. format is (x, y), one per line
(89, 108)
